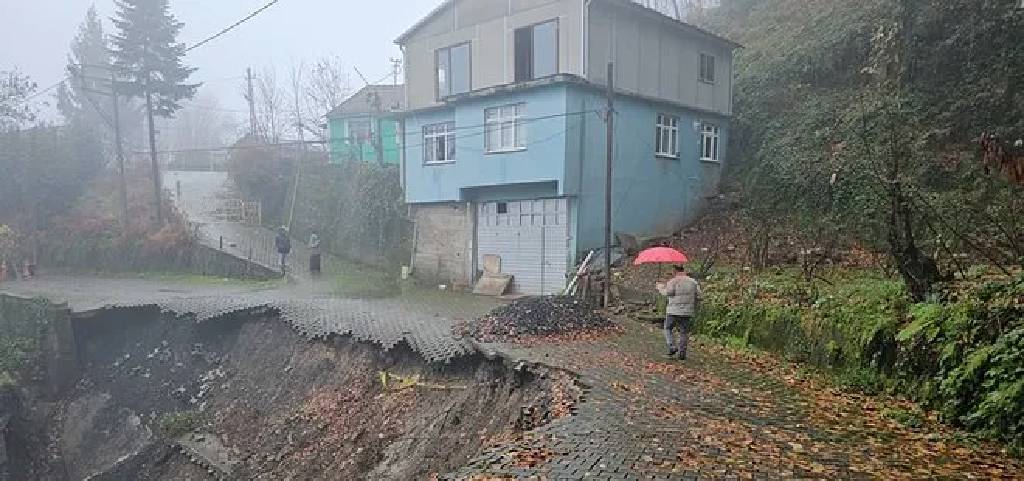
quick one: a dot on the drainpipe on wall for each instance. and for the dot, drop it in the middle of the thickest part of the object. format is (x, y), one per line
(471, 219)
(585, 34)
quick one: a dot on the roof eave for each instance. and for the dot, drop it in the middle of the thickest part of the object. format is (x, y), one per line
(419, 23)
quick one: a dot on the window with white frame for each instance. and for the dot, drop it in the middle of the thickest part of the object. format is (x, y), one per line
(707, 68)
(709, 140)
(439, 143)
(666, 136)
(503, 128)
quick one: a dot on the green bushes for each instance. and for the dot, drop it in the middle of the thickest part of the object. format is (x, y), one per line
(963, 356)
(966, 357)
(358, 209)
(22, 328)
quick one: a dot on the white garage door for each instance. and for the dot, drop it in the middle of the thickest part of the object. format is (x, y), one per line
(532, 239)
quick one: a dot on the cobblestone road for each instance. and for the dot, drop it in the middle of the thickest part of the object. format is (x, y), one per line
(422, 319)
(723, 414)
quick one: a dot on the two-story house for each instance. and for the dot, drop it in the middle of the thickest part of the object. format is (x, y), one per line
(505, 134)
(364, 126)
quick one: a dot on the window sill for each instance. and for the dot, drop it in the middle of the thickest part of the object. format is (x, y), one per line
(666, 156)
(439, 162)
(711, 161)
(708, 82)
(505, 151)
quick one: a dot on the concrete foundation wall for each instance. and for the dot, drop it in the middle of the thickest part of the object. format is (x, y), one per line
(444, 243)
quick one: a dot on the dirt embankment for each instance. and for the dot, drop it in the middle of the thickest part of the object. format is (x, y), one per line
(166, 399)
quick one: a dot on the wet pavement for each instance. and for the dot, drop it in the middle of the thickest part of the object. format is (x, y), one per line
(420, 318)
(722, 414)
(209, 202)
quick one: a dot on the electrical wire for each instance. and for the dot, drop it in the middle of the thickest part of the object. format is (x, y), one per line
(189, 49)
(232, 26)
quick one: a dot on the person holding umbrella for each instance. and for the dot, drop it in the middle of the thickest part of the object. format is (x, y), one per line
(683, 293)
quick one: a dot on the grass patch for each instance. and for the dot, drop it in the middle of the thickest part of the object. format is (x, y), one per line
(180, 423)
(6, 380)
(350, 280)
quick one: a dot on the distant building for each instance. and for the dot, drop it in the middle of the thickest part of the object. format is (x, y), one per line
(505, 138)
(365, 128)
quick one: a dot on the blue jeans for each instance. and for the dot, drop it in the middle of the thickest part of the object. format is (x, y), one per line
(683, 322)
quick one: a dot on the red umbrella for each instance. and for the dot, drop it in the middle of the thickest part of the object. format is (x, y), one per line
(660, 255)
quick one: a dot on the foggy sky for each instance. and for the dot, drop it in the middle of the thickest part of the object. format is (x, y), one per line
(35, 36)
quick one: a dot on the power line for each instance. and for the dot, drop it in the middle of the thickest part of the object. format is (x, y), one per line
(410, 146)
(189, 49)
(232, 26)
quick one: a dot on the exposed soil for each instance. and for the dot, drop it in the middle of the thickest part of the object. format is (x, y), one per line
(262, 403)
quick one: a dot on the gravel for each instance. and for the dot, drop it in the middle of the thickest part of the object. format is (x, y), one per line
(537, 317)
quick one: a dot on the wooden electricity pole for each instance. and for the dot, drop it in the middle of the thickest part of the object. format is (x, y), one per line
(610, 121)
(120, 152)
(157, 189)
(252, 102)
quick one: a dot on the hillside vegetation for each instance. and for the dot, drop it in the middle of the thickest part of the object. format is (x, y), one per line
(889, 127)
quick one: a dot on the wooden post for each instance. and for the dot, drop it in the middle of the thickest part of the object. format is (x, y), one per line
(120, 153)
(157, 188)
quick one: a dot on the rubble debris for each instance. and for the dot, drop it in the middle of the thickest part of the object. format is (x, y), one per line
(533, 317)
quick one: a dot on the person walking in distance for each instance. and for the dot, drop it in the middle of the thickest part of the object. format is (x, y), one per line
(284, 246)
(314, 254)
(684, 297)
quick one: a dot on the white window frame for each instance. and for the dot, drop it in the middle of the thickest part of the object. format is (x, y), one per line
(439, 132)
(707, 68)
(666, 136)
(501, 119)
(710, 142)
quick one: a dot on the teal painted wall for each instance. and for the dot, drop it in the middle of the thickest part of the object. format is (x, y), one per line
(343, 147)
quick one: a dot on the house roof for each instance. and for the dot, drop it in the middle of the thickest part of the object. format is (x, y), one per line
(371, 99)
(628, 3)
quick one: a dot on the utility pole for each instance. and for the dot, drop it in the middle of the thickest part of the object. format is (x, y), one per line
(120, 152)
(302, 157)
(114, 123)
(610, 121)
(252, 102)
(153, 160)
(396, 68)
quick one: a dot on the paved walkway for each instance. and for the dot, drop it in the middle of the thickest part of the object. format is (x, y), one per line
(723, 414)
(206, 201)
(419, 318)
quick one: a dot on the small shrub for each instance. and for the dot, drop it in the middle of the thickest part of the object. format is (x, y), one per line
(180, 423)
(908, 418)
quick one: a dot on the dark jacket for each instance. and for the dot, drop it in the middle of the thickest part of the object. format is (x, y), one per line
(283, 243)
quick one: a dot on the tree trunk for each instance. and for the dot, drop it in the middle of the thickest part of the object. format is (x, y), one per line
(153, 159)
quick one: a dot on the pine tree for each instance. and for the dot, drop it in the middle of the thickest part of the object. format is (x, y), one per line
(148, 58)
(88, 66)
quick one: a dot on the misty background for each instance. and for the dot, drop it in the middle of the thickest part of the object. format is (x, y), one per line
(37, 35)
